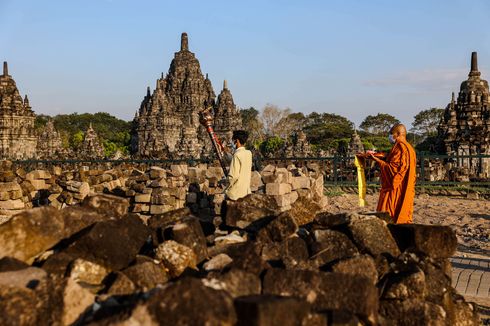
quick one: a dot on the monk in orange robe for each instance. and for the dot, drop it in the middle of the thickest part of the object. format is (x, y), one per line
(398, 177)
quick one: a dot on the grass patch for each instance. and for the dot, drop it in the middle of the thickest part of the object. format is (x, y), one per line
(333, 191)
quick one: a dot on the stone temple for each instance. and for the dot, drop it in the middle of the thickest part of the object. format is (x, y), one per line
(18, 138)
(465, 127)
(167, 123)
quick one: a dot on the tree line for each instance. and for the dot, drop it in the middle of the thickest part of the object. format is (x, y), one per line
(270, 129)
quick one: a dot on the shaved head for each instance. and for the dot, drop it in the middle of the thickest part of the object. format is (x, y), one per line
(398, 130)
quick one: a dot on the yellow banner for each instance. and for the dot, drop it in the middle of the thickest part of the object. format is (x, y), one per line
(361, 181)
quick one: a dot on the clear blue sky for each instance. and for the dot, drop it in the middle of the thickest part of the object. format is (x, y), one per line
(348, 57)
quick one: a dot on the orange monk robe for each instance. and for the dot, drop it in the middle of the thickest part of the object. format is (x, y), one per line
(398, 183)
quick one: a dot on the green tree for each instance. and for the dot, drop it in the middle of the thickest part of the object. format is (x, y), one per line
(425, 122)
(77, 139)
(379, 124)
(252, 124)
(323, 129)
(111, 130)
(270, 146)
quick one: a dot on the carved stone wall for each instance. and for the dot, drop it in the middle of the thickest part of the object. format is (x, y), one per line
(465, 126)
(17, 135)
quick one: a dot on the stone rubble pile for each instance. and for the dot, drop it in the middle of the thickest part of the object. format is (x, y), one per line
(153, 190)
(99, 264)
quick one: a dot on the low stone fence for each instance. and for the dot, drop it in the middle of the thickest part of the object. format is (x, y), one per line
(152, 190)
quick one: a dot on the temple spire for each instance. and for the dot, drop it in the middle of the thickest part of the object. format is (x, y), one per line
(26, 101)
(225, 84)
(148, 92)
(184, 42)
(5, 69)
(474, 65)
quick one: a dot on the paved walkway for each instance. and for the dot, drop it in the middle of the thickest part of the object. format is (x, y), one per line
(471, 276)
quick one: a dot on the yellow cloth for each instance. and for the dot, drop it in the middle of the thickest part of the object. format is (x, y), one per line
(361, 181)
(240, 174)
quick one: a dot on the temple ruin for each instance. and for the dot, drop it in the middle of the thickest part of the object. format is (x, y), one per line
(49, 145)
(91, 148)
(464, 129)
(17, 134)
(167, 123)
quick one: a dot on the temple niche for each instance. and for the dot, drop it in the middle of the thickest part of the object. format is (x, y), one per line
(167, 123)
(465, 128)
(49, 144)
(91, 148)
(18, 138)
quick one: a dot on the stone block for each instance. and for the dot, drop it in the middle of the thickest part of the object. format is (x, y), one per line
(160, 209)
(275, 189)
(282, 200)
(30, 233)
(189, 233)
(38, 174)
(176, 257)
(141, 208)
(189, 302)
(157, 172)
(242, 212)
(326, 291)
(215, 172)
(435, 241)
(147, 274)
(255, 181)
(142, 198)
(300, 183)
(4, 195)
(362, 265)
(39, 184)
(113, 244)
(264, 310)
(178, 170)
(87, 272)
(329, 246)
(12, 204)
(372, 235)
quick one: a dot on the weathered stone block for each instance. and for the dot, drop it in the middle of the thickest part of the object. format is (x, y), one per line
(189, 233)
(176, 257)
(300, 183)
(325, 291)
(242, 212)
(39, 184)
(362, 265)
(276, 189)
(30, 233)
(436, 241)
(372, 235)
(329, 246)
(142, 198)
(147, 275)
(12, 204)
(264, 310)
(157, 172)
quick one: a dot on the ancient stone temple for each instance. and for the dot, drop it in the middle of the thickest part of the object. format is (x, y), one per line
(298, 146)
(167, 123)
(17, 135)
(91, 147)
(49, 144)
(465, 126)
(355, 144)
